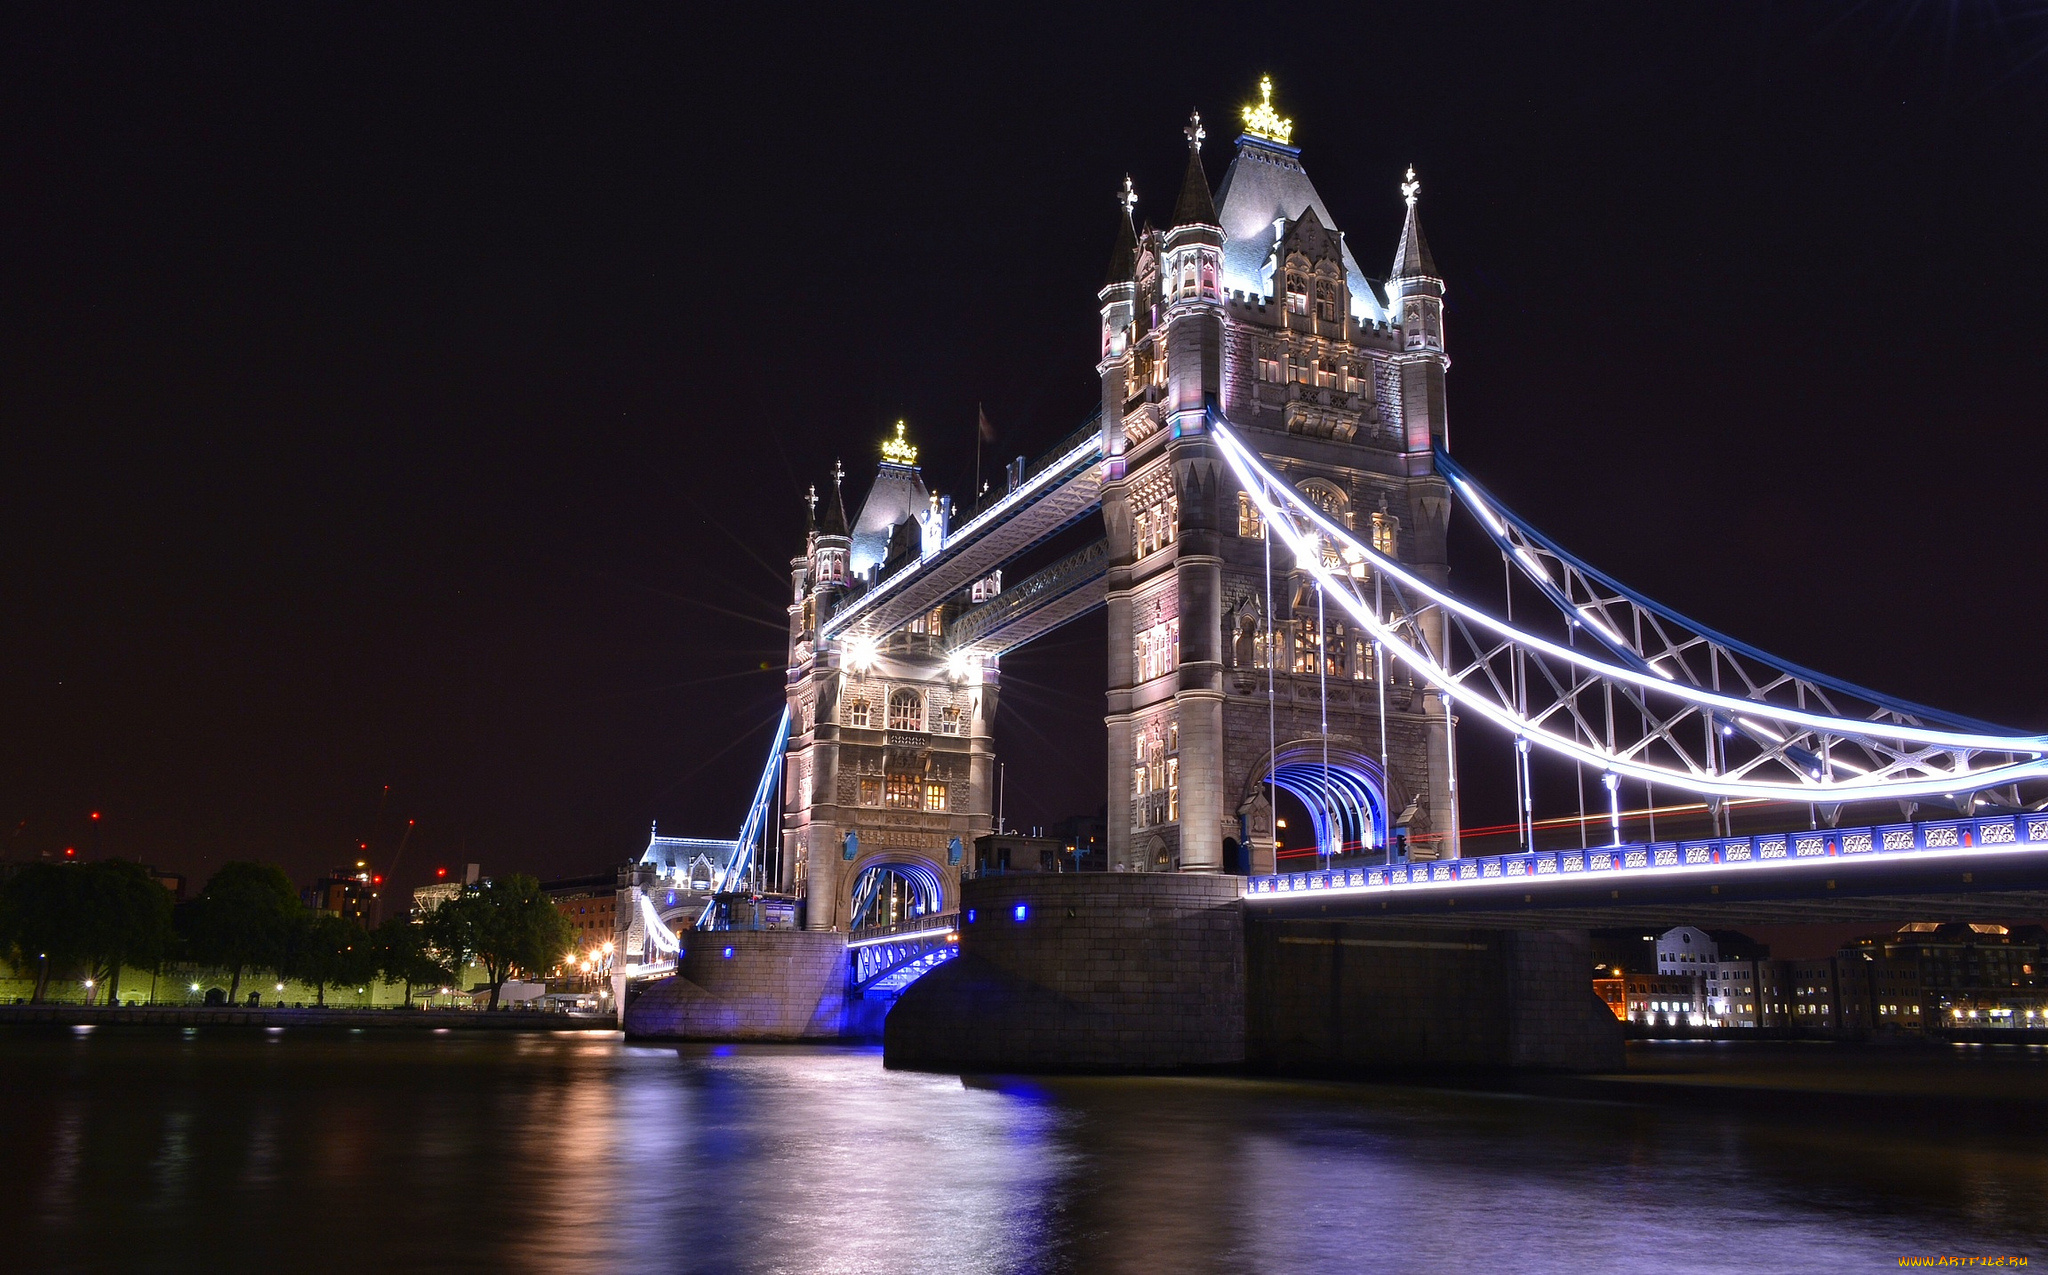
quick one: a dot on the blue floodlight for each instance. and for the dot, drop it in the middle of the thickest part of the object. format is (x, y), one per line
(728, 954)
(970, 916)
(1021, 911)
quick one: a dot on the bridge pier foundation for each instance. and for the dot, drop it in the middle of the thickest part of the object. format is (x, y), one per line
(1101, 972)
(747, 985)
(1353, 997)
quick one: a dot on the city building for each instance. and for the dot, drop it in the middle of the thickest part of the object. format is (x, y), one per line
(590, 905)
(1014, 852)
(426, 898)
(349, 893)
(1665, 1000)
(1952, 974)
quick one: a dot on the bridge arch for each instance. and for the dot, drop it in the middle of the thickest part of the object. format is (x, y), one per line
(891, 888)
(1347, 803)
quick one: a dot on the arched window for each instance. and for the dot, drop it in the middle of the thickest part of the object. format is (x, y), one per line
(906, 710)
(1326, 300)
(1297, 293)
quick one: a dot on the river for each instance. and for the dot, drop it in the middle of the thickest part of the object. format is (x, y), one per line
(316, 1150)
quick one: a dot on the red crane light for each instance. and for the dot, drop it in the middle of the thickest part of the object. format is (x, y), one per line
(440, 872)
(70, 851)
(95, 814)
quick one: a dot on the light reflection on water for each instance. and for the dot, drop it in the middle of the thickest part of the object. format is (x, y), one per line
(573, 1152)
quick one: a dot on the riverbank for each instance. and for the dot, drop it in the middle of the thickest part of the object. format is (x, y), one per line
(222, 1016)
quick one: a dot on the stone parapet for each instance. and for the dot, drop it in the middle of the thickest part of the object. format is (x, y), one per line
(774, 985)
(1104, 972)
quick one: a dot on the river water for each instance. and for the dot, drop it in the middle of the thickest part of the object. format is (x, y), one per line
(302, 1150)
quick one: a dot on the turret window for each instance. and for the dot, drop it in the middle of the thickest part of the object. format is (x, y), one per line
(949, 720)
(1384, 525)
(857, 711)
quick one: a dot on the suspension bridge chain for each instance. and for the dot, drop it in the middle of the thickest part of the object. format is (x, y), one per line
(1657, 698)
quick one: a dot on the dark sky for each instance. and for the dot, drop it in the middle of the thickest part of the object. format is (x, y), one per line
(423, 398)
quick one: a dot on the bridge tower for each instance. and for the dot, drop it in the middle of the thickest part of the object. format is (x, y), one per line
(890, 764)
(1223, 676)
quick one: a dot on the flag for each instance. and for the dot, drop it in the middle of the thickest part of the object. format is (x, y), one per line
(988, 431)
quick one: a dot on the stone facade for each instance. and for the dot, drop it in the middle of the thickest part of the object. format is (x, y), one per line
(1250, 306)
(1338, 997)
(891, 762)
(1141, 972)
(776, 985)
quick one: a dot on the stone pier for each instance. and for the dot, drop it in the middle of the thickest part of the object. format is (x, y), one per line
(1103, 972)
(748, 985)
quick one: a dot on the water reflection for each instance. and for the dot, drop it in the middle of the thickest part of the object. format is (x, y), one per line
(573, 1152)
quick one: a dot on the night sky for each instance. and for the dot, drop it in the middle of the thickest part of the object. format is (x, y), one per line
(423, 399)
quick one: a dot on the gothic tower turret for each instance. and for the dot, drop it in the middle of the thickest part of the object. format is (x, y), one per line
(1418, 302)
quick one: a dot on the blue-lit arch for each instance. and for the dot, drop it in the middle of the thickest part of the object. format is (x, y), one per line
(1346, 801)
(888, 890)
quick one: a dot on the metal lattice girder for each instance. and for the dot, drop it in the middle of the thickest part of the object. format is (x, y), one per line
(1033, 607)
(1654, 709)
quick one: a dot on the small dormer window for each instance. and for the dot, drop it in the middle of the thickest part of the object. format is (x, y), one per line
(1209, 280)
(1297, 294)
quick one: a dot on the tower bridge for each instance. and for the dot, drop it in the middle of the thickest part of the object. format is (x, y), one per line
(1270, 465)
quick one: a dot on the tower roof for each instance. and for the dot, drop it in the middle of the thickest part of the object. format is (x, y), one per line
(1411, 258)
(1123, 259)
(1264, 185)
(898, 496)
(1195, 207)
(835, 509)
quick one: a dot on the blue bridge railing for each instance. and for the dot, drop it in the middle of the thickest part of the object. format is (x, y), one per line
(1661, 858)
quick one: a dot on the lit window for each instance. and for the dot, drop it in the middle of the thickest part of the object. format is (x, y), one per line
(1173, 737)
(1326, 300)
(1251, 524)
(949, 720)
(1269, 371)
(904, 792)
(1297, 294)
(1172, 789)
(857, 711)
(1137, 781)
(870, 791)
(935, 796)
(906, 710)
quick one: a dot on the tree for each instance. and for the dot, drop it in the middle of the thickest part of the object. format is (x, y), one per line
(41, 918)
(508, 926)
(124, 919)
(246, 917)
(404, 955)
(331, 949)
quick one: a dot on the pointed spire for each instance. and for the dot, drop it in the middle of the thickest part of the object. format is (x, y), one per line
(1123, 259)
(1196, 207)
(1412, 258)
(835, 512)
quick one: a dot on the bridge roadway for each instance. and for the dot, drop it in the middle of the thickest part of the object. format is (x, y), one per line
(1060, 490)
(1987, 868)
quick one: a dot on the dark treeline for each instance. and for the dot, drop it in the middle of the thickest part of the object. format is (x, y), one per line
(93, 919)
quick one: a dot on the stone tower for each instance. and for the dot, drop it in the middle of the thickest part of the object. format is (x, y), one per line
(889, 766)
(1223, 677)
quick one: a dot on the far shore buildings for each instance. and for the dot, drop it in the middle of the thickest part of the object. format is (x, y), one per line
(1925, 974)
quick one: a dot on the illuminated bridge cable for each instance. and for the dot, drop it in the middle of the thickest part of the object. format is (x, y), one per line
(755, 826)
(1563, 697)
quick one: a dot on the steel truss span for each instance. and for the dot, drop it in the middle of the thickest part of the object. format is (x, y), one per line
(1633, 689)
(755, 827)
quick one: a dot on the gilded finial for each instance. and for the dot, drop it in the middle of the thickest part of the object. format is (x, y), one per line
(1194, 131)
(1128, 197)
(811, 502)
(897, 450)
(1262, 120)
(1411, 188)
